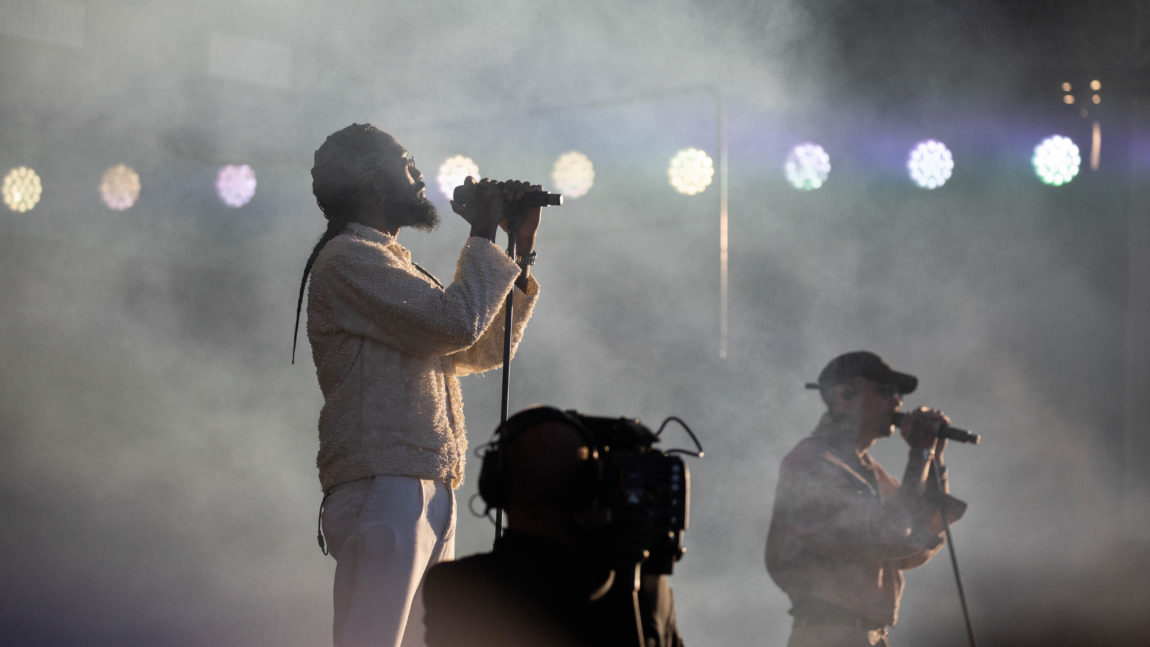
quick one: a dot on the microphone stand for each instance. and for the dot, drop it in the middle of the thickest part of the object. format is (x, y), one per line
(627, 629)
(936, 470)
(512, 235)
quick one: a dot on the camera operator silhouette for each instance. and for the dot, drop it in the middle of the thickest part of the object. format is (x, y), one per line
(556, 576)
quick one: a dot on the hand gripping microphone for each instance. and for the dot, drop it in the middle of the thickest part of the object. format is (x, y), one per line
(463, 193)
(951, 433)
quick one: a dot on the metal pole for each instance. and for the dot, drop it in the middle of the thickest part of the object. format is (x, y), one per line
(936, 470)
(512, 234)
(723, 249)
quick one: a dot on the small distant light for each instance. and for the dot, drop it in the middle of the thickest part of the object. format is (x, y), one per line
(1066, 87)
(930, 164)
(1096, 85)
(807, 166)
(1056, 160)
(574, 174)
(453, 172)
(21, 189)
(236, 185)
(120, 187)
(1068, 99)
(1097, 99)
(691, 171)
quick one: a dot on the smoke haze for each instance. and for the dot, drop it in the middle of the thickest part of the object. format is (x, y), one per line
(158, 481)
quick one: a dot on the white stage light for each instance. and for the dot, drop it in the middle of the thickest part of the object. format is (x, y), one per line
(1056, 160)
(21, 189)
(574, 174)
(120, 187)
(691, 171)
(930, 164)
(807, 166)
(453, 172)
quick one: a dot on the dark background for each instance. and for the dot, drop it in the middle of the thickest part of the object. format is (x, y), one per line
(157, 480)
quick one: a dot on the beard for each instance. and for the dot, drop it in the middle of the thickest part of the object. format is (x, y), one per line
(417, 211)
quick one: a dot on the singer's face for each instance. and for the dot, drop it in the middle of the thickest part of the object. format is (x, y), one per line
(877, 404)
(406, 194)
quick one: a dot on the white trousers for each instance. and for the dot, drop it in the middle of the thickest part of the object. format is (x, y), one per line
(384, 533)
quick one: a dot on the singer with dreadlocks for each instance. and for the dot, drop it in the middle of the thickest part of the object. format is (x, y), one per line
(389, 343)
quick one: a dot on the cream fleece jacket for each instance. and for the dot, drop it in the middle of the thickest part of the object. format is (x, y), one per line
(389, 343)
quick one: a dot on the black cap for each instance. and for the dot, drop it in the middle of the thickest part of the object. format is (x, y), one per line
(862, 363)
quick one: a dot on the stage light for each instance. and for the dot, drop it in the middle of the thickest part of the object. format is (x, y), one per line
(21, 189)
(930, 164)
(236, 185)
(1067, 97)
(1056, 160)
(453, 172)
(574, 174)
(691, 171)
(807, 166)
(120, 187)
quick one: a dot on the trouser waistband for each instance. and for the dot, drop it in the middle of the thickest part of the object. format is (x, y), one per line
(850, 621)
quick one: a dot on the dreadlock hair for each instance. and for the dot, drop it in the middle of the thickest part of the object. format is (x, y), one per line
(340, 182)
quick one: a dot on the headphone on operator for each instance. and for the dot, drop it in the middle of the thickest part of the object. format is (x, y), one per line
(493, 474)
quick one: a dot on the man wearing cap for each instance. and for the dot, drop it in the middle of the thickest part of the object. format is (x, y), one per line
(843, 529)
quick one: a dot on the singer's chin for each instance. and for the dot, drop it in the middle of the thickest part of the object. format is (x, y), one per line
(420, 214)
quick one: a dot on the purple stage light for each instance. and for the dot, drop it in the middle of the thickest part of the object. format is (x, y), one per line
(236, 185)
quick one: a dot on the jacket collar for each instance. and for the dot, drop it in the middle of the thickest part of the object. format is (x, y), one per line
(371, 234)
(840, 437)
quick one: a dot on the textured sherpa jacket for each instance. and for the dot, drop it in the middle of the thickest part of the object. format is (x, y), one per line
(389, 342)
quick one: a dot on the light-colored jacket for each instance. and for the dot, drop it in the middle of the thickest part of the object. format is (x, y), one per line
(842, 532)
(389, 343)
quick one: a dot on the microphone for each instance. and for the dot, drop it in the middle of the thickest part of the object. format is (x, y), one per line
(462, 195)
(948, 432)
(543, 199)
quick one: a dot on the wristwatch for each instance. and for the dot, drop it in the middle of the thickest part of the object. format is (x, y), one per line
(526, 259)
